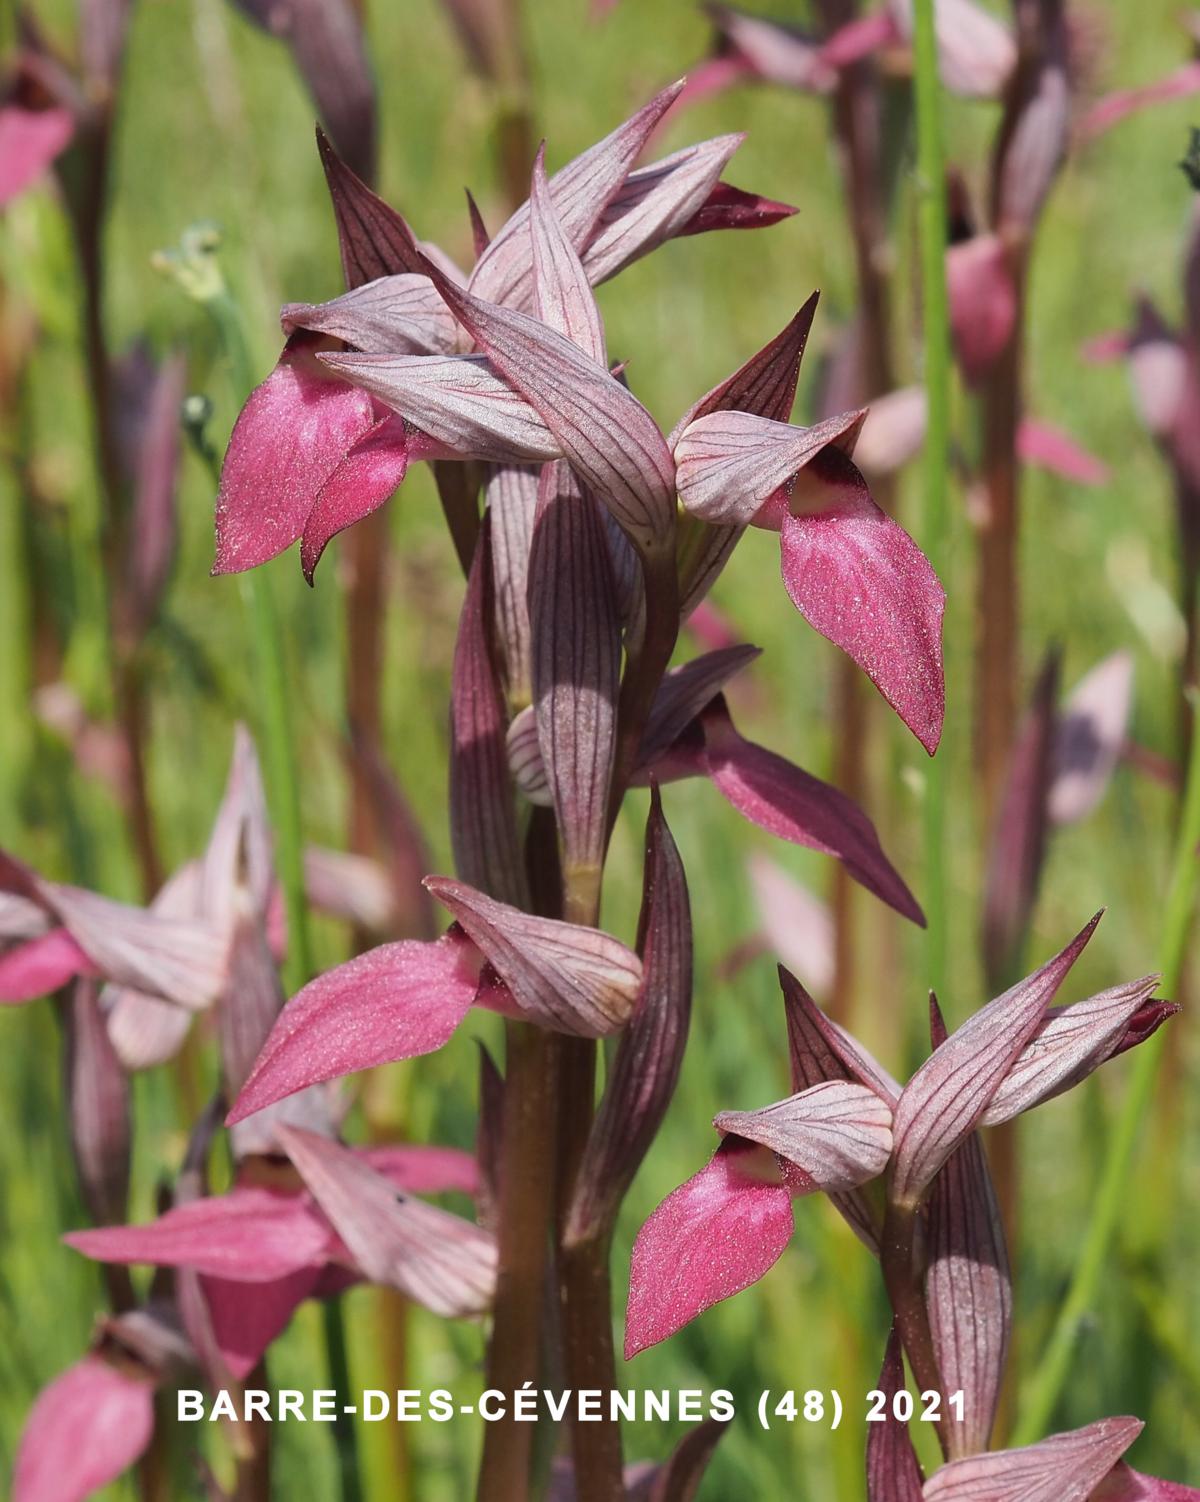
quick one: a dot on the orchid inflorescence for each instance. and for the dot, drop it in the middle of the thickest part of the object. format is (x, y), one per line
(599, 535)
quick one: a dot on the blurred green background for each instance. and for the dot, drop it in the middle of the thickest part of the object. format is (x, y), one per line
(214, 124)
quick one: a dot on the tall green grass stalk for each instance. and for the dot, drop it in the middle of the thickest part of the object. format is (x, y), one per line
(931, 224)
(1040, 1395)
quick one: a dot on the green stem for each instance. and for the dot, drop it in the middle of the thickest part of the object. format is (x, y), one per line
(283, 790)
(931, 219)
(1040, 1396)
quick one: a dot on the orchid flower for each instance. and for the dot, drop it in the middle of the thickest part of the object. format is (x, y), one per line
(96, 1419)
(976, 52)
(1082, 1465)
(37, 123)
(162, 966)
(852, 572)
(244, 1261)
(1163, 366)
(568, 977)
(1180, 83)
(342, 1215)
(311, 453)
(850, 1129)
(579, 574)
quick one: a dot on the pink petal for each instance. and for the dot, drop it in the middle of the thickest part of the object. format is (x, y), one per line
(983, 303)
(893, 1471)
(1073, 1041)
(680, 195)
(795, 806)
(859, 579)
(736, 467)
(1090, 733)
(29, 142)
(1101, 349)
(1124, 1484)
(820, 1050)
(458, 401)
(976, 52)
(576, 665)
(1107, 112)
(393, 1002)
(580, 191)
(1051, 449)
(367, 477)
(611, 440)
(687, 691)
(1063, 1468)
(483, 822)
(892, 433)
(290, 437)
(567, 976)
(373, 239)
(837, 1133)
(562, 293)
(714, 75)
(945, 1099)
(1160, 371)
(968, 1292)
(797, 926)
(777, 52)
(251, 1235)
(399, 315)
(425, 1170)
(511, 502)
(727, 207)
(440, 1260)
(247, 1317)
(179, 959)
(39, 966)
(87, 1427)
(859, 38)
(766, 384)
(714, 1236)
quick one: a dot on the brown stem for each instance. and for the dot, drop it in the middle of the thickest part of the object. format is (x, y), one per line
(154, 1468)
(998, 646)
(514, 133)
(132, 716)
(591, 1367)
(527, 1175)
(253, 1477)
(903, 1278)
(998, 594)
(528, 1169)
(584, 1287)
(88, 204)
(850, 775)
(515, 146)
